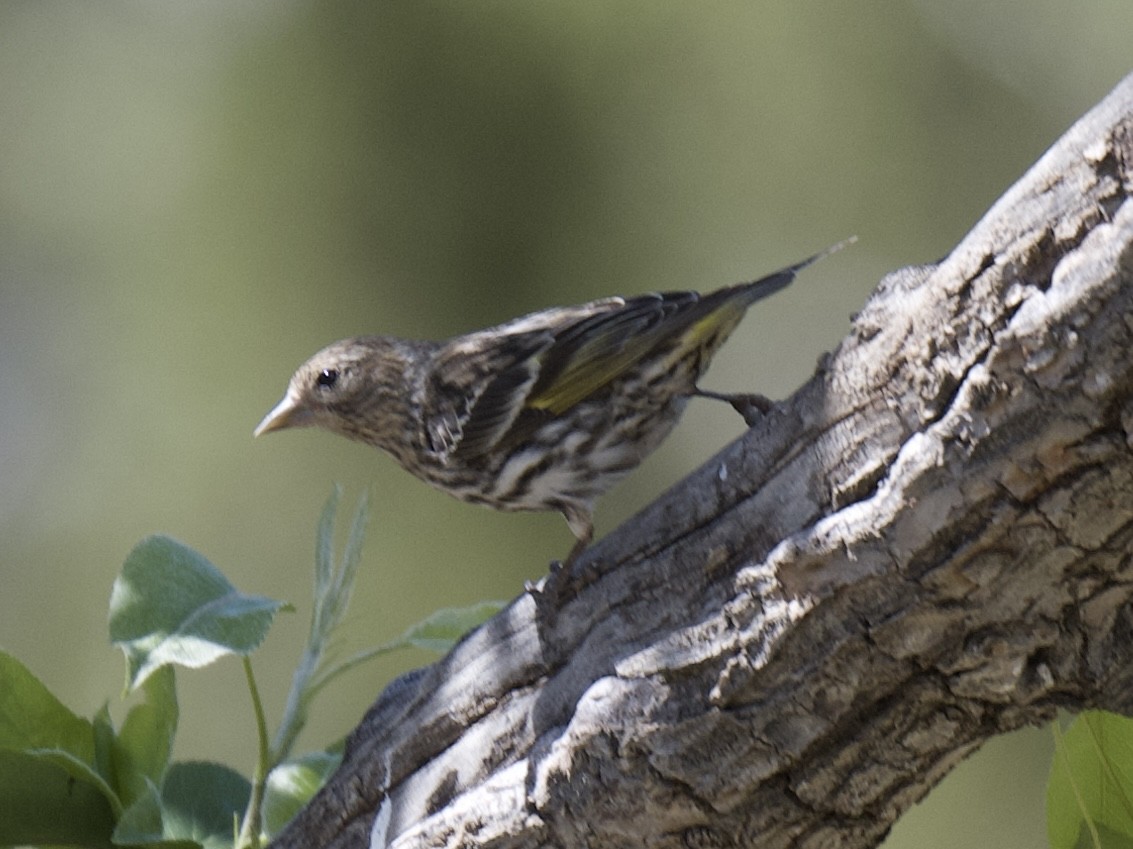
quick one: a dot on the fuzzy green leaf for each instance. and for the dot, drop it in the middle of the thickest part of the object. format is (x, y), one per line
(35, 723)
(50, 788)
(143, 825)
(201, 802)
(443, 628)
(171, 605)
(292, 784)
(44, 805)
(196, 806)
(143, 747)
(32, 718)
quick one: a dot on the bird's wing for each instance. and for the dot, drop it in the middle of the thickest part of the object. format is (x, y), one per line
(477, 384)
(541, 364)
(587, 355)
(476, 388)
(592, 352)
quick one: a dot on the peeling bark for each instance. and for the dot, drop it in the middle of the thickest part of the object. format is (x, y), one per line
(930, 543)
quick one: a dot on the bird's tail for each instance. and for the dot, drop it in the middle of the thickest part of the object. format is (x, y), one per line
(716, 315)
(772, 283)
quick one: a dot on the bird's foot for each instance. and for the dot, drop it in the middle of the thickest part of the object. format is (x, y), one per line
(565, 580)
(555, 573)
(750, 405)
(554, 570)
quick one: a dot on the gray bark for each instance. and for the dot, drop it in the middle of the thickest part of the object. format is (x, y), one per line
(928, 544)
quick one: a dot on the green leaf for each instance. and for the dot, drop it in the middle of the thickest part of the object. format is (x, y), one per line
(324, 543)
(104, 744)
(333, 587)
(50, 789)
(292, 784)
(170, 605)
(1090, 791)
(143, 747)
(140, 824)
(42, 804)
(78, 770)
(198, 805)
(35, 723)
(143, 825)
(32, 718)
(202, 802)
(438, 632)
(443, 628)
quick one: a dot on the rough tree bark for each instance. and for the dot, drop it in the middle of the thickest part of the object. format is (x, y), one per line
(930, 543)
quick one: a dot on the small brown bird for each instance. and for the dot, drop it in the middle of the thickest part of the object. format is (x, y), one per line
(545, 412)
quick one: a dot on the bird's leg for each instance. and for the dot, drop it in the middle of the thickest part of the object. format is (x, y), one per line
(579, 546)
(582, 525)
(751, 406)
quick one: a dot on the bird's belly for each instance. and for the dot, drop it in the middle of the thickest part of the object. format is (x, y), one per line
(568, 461)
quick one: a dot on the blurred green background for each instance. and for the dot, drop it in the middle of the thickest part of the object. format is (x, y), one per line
(195, 197)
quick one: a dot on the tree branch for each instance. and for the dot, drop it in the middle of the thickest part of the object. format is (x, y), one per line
(928, 544)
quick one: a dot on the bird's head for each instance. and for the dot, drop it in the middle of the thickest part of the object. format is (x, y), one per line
(346, 388)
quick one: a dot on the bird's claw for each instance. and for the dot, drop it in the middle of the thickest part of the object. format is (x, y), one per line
(752, 407)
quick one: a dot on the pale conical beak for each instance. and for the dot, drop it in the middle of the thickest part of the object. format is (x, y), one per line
(287, 413)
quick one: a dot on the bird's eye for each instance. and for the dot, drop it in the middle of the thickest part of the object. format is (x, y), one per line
(328, 377)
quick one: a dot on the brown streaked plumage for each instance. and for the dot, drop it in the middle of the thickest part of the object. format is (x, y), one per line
(545, 412)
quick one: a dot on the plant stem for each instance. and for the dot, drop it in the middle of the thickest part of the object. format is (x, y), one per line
(253, 816)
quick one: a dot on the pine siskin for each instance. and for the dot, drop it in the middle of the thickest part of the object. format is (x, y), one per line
(545, 412)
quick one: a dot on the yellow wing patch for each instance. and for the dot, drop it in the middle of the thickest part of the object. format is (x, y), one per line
(610, 354)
